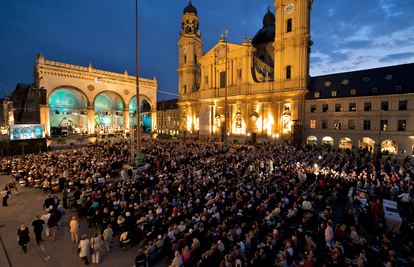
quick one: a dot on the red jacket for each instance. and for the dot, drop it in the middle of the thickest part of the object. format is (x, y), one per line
(377, 208)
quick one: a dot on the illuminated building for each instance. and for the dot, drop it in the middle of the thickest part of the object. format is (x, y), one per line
(364, 108)
(266, 77)
(84, 97)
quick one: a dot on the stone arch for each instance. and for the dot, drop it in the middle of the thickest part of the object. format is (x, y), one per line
(88, 103)
(110, 92)
(311, 140)
(327, 140)
(144, 97)
(366, 142)
(389, 146)
(345, 143)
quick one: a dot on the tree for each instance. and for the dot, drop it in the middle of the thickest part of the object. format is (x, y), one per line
(80, 140)
(61, 141)
(23, 144)
(39, 144)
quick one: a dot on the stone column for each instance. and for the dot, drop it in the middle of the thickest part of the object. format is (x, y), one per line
(91, 120)
(125, 114)
(44, 118)
(154, 125)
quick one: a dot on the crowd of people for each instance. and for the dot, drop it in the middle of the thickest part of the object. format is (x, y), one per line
(201, 205)
(111, 129)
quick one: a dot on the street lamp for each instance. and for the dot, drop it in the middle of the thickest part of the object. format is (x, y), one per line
(138, 159)
(225, 110)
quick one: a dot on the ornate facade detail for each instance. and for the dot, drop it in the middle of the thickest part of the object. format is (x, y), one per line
(126, 91)
(91, 87)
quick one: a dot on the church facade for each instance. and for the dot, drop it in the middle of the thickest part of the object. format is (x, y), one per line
(266, 78)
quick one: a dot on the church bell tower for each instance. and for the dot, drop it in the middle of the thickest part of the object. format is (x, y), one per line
(190, 52)
(292, 43)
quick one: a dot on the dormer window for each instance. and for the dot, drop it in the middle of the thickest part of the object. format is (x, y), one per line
(366, 79)
(333, 93)
(374, 90)
(398, 88)
(317, 94)
(346, 82)
(352, 92)
(389, 77)
(327, 83)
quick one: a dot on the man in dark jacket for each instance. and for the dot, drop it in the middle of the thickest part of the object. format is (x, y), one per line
(48, 202)
(38, 228)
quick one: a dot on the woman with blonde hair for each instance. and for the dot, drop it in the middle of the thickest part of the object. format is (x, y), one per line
(96, 243)
(178, 260)
(45, 218)
(186, 254)
(74, 229)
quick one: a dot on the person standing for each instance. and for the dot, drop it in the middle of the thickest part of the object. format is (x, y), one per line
(12, 185)
(45, 218)
(84, 249)
(107, 235)
(74, 230)
(96, 245)
(62, 213)
(65, 198)
(23, 237)
(52, 223)
(5, 195)
(38, 228)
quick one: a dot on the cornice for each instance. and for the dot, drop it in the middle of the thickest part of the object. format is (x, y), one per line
(108, 78)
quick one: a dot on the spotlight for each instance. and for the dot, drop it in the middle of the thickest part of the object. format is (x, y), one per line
(57, 112)
(106, 113)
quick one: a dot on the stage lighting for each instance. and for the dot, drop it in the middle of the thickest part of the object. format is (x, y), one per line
(57, 112)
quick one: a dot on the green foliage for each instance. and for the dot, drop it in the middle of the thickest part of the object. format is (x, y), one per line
(61, 141)
(23, 144)
(39, 144)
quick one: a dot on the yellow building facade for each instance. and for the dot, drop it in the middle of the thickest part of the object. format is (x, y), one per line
(266, 78)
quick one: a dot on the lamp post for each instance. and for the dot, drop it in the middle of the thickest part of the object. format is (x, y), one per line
(138, 159)
(225, 100)
(379, 136)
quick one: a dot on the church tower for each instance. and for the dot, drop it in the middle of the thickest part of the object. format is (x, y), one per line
(291, 58)
(292, 44)
(190, 52)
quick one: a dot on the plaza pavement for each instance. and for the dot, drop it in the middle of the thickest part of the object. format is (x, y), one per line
(22, 209)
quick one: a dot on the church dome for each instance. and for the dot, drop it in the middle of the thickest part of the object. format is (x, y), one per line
(190, 9)
(267, 32)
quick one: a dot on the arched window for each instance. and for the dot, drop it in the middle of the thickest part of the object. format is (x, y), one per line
(185, 89)
(288, 72)
(289, 25)
(185, 59)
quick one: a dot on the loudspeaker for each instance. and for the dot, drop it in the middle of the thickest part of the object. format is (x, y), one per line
(254, 138)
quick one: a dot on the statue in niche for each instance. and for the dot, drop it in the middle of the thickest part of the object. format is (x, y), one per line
(238, 118)
(255, 114)
(185, 120)
(287, 123)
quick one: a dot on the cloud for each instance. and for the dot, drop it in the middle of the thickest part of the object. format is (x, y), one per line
(397, 57)
(315, 60)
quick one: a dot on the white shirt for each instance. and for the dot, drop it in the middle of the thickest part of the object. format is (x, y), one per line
(405, 197)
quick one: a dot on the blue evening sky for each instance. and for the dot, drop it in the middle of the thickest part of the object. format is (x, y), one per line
(347, 34)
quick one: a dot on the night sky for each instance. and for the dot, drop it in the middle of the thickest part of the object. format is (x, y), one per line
(347, 34)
